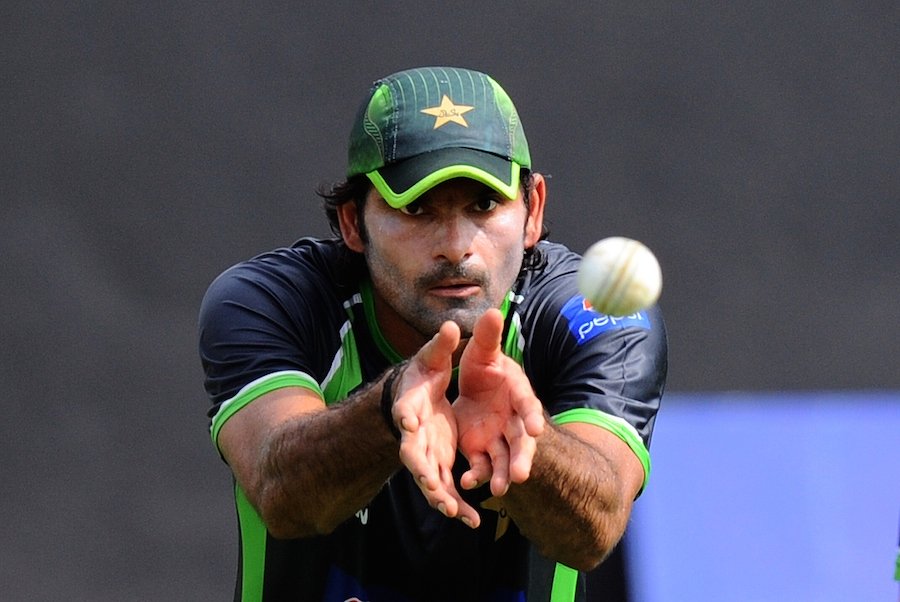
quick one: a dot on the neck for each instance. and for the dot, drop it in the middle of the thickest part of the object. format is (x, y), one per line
(402, 337)
(399, 334)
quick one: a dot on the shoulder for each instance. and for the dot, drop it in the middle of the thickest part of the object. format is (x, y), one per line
(307, 264)
(311, 277)
(306, 258)
(279, 311)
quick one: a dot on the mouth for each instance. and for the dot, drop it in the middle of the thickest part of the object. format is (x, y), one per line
(454, 288)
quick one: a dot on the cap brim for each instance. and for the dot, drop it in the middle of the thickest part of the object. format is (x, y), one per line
(403, 182)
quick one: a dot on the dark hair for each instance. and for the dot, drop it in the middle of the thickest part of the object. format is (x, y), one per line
(355, 189)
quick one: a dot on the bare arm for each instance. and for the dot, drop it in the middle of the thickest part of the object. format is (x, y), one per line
(306, 468)
(576, 504)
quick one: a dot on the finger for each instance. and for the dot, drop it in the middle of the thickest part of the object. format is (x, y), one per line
(468, 515)
(437, 353)
(479, 472)
(460, 508)
(499, 454)
(443, 500)
(534, 423)
(527, 406)
(522, 448)
(405, 415)
(485, 344)
(414, 454)
(457, 507)
(447, 500)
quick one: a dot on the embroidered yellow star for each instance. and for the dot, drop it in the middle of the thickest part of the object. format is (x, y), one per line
(447, 112)
(502, 517)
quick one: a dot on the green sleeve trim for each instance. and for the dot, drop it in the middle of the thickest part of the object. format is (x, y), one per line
(565, 582)
(253, 548)
(897, 567)
(617, 426)
(257, 388)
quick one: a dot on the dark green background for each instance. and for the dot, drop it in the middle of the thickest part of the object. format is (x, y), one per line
(146, 147)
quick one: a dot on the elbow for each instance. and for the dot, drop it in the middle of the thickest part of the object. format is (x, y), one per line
(603, 533)
(595, 555)
(286, 521)
(598, 542)
(280, 528)
(589, 557)
(276, 517)
(283, 525)
(286, 513)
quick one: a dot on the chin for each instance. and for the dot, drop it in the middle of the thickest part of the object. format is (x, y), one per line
(429, 321)
(464, 318)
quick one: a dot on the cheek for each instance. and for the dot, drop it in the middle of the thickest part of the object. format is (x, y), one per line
(392, 258)
(509, 232)
(510, 261)
(507, 248)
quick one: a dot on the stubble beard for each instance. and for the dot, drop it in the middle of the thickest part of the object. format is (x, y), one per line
(426, 313)
(465, 312)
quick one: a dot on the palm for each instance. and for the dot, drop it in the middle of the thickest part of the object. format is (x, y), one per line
(429, 448)
(428, 427)
(497, 414)
(483, 407)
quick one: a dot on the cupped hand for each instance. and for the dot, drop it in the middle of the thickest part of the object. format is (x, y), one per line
(428, 432)
(498, 415)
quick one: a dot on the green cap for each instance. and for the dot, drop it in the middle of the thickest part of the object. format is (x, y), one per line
(420, 127)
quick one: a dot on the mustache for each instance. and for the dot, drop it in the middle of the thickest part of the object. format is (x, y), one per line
(452, 271)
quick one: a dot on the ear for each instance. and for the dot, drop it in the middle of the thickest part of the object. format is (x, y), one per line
(348, 219)
(535, 221)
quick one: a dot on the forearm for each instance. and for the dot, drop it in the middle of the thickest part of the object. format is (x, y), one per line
(575, 504)
(319, 468)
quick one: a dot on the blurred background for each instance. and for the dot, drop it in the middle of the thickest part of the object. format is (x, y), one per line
(147, 146)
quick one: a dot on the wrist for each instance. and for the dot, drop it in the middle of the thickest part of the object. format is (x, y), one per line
(387, 398)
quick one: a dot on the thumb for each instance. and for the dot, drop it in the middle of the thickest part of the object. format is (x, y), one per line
(484, 346)
(437, 353)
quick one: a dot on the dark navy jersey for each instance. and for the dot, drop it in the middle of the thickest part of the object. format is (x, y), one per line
(304, 316)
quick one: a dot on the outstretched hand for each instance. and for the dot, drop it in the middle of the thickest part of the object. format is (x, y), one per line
(498, 416)
(428, 431)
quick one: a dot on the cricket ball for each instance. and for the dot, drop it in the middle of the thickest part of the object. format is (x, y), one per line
(619, 276)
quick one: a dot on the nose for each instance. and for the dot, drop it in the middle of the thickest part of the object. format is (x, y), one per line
(453, 240)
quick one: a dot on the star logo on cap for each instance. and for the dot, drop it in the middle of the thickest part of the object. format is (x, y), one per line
(447, 112)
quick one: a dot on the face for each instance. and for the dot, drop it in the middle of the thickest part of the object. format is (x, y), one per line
(450, 255)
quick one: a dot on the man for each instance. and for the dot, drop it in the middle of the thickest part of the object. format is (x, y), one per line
(425, 408)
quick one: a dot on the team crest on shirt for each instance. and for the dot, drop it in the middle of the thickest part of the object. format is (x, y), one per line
(497, 506)
(586, 323)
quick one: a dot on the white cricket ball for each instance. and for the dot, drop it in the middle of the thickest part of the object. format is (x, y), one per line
(619, 276)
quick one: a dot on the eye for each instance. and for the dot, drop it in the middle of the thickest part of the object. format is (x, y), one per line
(414, 208)
(486, 204)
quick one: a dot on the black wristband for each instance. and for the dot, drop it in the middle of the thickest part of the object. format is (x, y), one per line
(387, 399)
